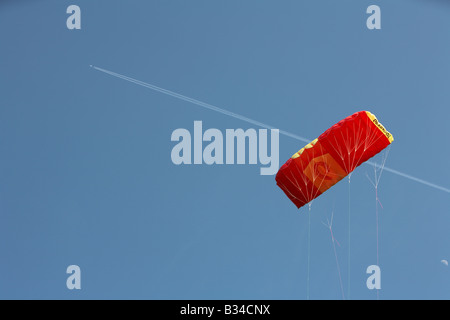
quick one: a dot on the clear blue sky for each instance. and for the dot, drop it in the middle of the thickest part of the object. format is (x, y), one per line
(86, 176)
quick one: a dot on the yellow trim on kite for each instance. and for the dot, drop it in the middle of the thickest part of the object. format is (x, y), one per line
(380, 126)
(309, 145)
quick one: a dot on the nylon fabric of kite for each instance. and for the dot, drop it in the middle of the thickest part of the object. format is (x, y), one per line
(325, 161)
(331, 157)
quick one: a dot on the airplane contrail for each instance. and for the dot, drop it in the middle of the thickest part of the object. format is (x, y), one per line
(199, 103)
(254, 122)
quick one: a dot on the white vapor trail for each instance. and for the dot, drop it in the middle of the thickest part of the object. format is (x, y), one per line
(407, 176)
(199, 103)
(254, 122)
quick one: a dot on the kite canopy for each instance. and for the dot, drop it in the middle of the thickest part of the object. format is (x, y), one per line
(331, 157)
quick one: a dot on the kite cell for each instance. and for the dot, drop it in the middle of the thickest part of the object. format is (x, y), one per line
(331, 157)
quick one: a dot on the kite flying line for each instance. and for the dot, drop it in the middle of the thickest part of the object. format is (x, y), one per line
(329, 226)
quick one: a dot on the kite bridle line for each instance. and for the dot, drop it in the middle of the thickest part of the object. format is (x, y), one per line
(329, 226)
